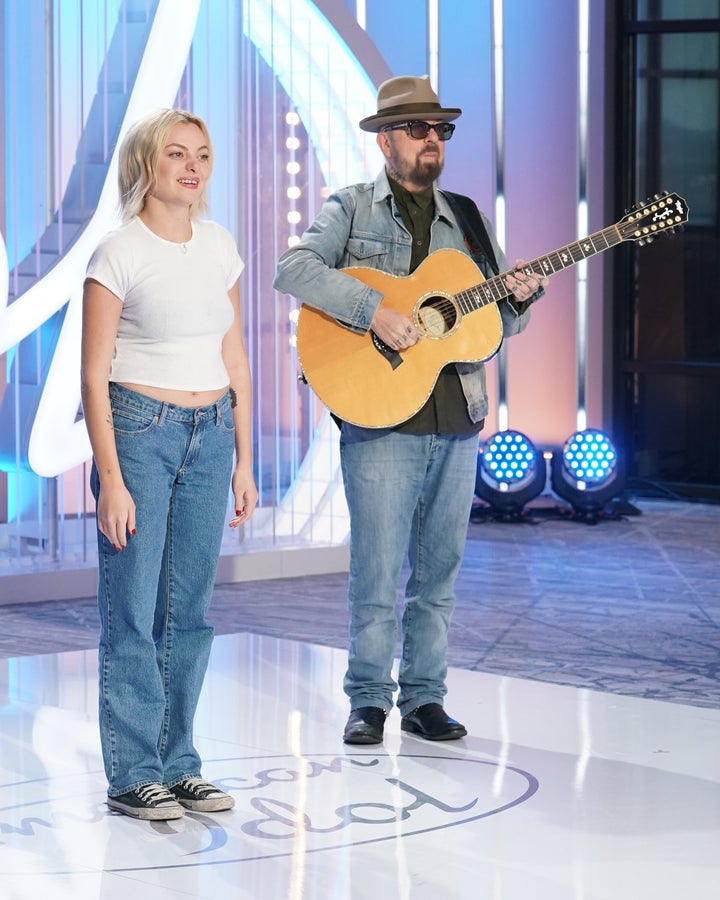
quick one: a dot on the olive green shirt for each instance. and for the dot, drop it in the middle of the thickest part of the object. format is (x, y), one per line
(445, 411)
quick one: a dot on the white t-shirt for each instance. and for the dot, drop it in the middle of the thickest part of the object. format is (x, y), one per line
(176, 308)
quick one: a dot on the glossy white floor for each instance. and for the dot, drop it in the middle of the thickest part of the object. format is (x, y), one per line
(556, 793)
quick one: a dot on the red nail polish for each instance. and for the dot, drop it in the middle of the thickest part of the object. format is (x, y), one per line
(238, 512)
(133, 531)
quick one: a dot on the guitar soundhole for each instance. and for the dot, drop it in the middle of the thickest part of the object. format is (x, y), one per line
(437, 316)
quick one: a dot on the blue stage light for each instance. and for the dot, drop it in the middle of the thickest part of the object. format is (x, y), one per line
(510, 473)
(589, 457)
(508, 457)
(587, 473)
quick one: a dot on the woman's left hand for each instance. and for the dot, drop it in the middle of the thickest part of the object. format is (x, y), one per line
(246, 495)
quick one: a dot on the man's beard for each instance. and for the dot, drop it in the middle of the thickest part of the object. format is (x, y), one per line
(422, 174)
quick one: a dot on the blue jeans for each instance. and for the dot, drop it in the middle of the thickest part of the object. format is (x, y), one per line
(154, 594)
(407, 495)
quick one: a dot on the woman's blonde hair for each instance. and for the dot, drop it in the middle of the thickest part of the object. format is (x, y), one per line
(140, 154)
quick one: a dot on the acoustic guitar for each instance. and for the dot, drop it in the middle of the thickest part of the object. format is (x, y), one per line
(364, 381)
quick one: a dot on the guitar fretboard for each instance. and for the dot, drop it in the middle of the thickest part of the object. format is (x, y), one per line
(495, 289)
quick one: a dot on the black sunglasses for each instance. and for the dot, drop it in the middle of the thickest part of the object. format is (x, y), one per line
(420, 130)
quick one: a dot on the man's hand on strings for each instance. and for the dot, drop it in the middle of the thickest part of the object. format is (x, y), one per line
(394, 328)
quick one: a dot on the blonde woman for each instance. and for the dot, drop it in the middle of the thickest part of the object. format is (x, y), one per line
(167, 400)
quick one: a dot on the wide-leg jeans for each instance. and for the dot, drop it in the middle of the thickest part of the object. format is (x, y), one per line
(153, 595)
(409, 496)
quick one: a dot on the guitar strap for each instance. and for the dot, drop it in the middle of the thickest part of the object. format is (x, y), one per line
(471, 224)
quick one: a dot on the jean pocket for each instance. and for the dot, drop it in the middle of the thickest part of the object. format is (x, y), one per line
(130, 422)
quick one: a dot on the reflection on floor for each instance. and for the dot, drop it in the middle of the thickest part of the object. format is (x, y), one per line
(557, 793)
(629, 606)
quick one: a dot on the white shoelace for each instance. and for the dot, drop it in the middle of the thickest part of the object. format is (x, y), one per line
(196, 785)
(155, 793)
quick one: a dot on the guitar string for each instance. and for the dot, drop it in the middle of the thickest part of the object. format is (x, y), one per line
(494, 289)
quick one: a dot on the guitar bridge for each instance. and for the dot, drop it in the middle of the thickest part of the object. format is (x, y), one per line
(392, 356)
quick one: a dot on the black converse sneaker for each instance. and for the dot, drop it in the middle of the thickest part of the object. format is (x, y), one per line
(201, 796)
(151, 801)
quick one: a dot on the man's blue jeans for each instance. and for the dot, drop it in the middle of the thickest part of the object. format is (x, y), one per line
(154, 594)
(407, 494)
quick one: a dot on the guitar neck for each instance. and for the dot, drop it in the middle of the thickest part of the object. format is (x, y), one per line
(494, 289)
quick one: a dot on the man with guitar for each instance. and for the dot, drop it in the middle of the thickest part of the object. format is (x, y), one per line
(409, 471)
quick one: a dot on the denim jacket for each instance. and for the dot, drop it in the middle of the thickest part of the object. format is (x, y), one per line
(360, 225)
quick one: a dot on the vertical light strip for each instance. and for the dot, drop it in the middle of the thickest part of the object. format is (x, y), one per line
(498, 110)
(361, 14)
(582, 208)
(50, 138)
(433, 40)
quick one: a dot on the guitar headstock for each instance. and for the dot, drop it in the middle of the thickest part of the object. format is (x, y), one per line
(662, 214)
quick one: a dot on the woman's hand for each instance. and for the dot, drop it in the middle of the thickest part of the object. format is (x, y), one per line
(116, 514)
(245, 493)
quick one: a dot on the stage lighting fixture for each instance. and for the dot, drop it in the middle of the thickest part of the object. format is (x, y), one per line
(587, 473)
(510, 473)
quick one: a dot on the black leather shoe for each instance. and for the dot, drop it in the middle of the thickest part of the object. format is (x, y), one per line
(433, 723)
(365, 726)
